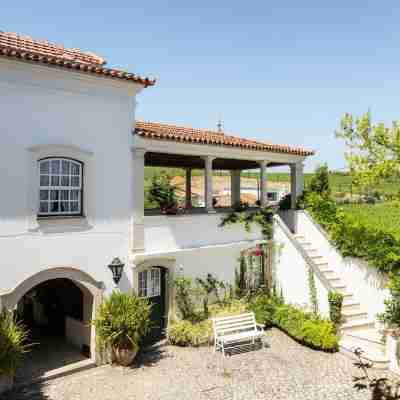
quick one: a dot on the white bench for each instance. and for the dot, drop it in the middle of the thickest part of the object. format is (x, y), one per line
(230, 332)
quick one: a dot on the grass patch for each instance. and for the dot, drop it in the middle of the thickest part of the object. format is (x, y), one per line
(382, 217)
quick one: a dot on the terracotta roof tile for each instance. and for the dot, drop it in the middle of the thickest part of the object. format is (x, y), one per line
(42, 52)
(155, 130)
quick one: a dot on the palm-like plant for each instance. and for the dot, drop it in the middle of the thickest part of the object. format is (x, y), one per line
(13, 343)
(123, 320)
(163, 192)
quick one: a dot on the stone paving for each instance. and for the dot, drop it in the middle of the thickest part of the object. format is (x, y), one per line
(283, 369)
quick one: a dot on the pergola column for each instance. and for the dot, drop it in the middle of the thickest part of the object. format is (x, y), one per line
(296, 182)
(208, 183)
(263, 183)
(188, 189)
(137, 235)
(235, 186)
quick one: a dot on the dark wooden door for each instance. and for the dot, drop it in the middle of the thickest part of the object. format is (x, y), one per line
(156, 276)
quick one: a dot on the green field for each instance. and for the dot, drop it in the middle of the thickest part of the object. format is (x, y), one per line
(382, 216)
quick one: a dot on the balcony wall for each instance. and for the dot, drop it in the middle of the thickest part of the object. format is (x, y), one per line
(169, 233)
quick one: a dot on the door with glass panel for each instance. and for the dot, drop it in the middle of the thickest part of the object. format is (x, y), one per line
(152, 285)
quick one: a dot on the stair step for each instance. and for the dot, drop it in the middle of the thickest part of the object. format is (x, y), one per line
(350, 305)
(366, 335)
(353, 326)
(376, 357)
(354, 315)
(335, 280)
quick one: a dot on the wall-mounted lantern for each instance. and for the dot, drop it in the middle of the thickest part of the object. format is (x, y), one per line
(116, 268)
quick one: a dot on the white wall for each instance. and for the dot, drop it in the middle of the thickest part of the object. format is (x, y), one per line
(367, 285)
(167, 233)
(43, 111)
(291, 272)
(77, 333)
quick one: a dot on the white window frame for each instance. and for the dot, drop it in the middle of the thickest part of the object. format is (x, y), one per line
(70, 189)
(149, 282)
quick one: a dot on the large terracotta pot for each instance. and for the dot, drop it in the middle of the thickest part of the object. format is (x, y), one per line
(125, 356)
(6, 383)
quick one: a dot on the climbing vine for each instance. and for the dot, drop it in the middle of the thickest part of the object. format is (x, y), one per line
(261, 217)
(313, 291)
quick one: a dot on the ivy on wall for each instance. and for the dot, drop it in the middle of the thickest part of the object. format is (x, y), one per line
(313, 291)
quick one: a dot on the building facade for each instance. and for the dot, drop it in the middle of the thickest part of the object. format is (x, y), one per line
(72, 175)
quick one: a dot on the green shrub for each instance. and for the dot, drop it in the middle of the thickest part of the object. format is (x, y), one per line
(305, 327)
(162, 192)
(186, 333)
(122, 320)
(319, 182)
(13, 343)
(264, 307)
(335, 300)
(391, 316)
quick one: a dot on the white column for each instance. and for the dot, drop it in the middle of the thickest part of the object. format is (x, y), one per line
(296, 182)
(235, 186)
(137, 239)
(263, 183)
(208, 183)
(188, 201)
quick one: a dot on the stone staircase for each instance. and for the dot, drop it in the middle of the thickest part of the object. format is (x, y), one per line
(357, 329)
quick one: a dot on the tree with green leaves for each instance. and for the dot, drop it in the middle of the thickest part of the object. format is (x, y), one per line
(373, 150)
(319, 182)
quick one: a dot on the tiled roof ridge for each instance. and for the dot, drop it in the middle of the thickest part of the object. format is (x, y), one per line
(162, 131)
(46, 48)
(42, 52)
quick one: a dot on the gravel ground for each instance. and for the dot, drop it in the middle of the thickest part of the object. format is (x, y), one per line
(282, 369)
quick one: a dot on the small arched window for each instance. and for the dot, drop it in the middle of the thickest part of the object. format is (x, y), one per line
(60, 186)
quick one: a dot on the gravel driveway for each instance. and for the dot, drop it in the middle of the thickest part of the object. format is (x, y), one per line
(283, 369)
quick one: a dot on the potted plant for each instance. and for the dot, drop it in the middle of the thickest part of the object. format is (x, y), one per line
(121, 322)
(163, 193)
(13, 345)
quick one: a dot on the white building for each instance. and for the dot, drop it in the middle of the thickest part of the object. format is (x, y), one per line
(72, 177)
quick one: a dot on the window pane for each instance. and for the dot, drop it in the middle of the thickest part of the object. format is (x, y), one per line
(75, 169)
(53, 194)
(64, 194)
(142, 284)
(64, 206)
(54, 207)
(65, 180)
(44, 180)
(65, 167)
(44, 167)
(44, 207)
(75, 195)
(44, 195)
(74, 206)
(55, 181)
(55, 166)
(75, 181)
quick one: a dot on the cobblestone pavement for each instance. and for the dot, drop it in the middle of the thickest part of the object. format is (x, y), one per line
(282, 369)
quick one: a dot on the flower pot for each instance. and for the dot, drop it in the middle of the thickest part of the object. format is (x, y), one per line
(125, 356)
(6, 383)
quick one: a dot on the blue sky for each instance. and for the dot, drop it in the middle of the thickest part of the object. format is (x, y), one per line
(279, 72)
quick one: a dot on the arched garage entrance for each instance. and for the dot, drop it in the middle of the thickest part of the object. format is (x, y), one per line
(56, 305)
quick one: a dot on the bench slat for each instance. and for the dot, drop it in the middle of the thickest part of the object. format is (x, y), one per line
(234, 317)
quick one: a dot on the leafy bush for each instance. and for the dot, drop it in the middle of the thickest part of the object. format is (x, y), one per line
(186, 333)
(122, 320)
(335, 300)
(162, 192)
(305, 327)
(319, 182)
(391, 315)
(13, 343)
(264, 307)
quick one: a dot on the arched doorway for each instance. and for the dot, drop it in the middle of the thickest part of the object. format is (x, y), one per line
(56, 305)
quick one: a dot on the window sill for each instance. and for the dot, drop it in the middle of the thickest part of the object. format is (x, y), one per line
(61, 224)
